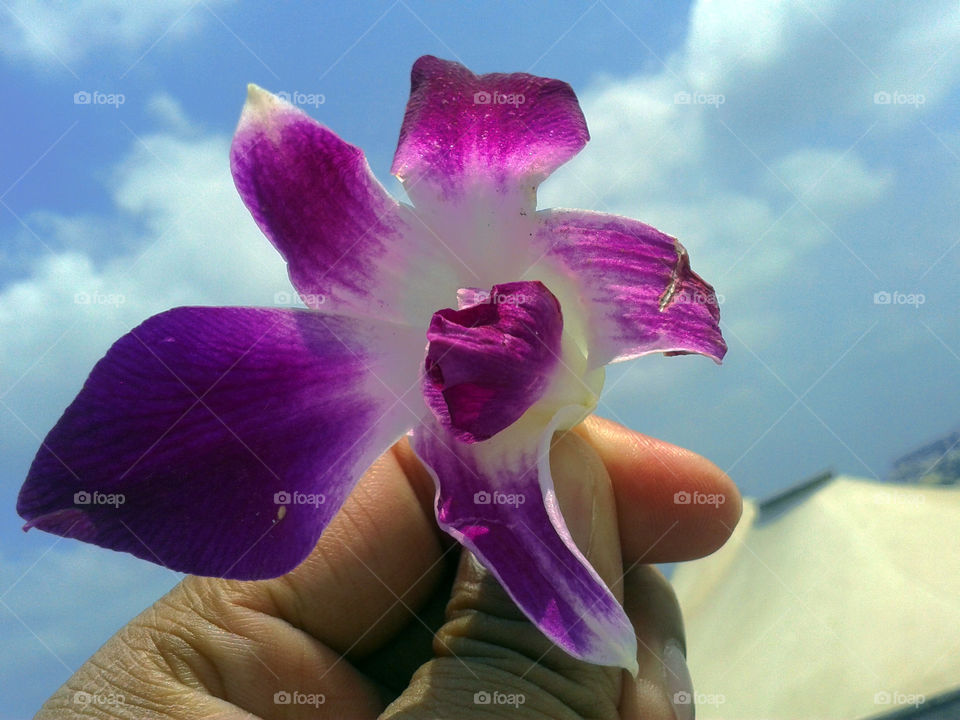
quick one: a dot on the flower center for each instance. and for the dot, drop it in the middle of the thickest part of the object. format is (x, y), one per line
(491, 359)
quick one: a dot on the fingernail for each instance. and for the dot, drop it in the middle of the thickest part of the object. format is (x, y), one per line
(678, 682)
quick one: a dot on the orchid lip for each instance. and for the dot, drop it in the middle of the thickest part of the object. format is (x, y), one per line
(490, 360)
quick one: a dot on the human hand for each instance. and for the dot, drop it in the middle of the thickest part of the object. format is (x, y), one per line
(383, 621)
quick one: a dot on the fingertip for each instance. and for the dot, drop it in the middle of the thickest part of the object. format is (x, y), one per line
(672, 503)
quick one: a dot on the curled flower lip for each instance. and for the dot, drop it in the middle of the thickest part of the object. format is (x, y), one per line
(488, 362)
(471, 318)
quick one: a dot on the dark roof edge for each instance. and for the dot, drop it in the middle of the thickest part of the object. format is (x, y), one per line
(794, 491)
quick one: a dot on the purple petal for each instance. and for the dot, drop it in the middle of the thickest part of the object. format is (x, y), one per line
(350, 247)
(220, 441)
(489, 362)
(636, 284)
(497, 499)
(498, 131)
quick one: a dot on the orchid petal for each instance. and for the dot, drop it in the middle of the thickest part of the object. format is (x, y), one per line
(221, 441)
(499, 131)
(472, 167)
(350, 247)
(497, 499)
(634, 282)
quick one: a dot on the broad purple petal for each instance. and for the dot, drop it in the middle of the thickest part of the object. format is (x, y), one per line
(635, 283)
(350, 247)
(220, 441)
(489, 362)
(497, 499)
(463, 132)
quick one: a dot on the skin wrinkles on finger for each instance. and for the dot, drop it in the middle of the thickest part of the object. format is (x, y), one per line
(381, 546)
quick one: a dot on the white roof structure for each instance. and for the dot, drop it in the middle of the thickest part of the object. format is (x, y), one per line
(838, 599)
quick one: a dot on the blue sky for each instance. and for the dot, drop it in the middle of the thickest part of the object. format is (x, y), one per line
(806, 152)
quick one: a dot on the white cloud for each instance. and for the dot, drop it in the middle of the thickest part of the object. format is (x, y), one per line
(821, 60)
(639, 137)
(831, 182)
(715, 45)
(45, 31)
(167, 111)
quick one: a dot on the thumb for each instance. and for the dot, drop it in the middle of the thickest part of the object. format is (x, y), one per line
(488, 655)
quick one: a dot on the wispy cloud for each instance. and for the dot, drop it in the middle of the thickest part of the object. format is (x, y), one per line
(46, 32)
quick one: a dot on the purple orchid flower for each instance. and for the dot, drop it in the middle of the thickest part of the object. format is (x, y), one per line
(221, 441)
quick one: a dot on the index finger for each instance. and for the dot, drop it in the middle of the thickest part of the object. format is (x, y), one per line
(672, 504)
